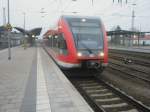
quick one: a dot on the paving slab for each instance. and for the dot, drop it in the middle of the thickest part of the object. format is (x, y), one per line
(31, 82)
(62, 94)
(14, 76)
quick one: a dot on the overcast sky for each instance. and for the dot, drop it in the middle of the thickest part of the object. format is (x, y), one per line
(112, 14)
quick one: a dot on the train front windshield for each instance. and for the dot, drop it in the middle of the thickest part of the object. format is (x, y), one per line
(87, 34)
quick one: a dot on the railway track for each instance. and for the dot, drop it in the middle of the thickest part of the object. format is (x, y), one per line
(130, 71)
(133, 64)
(130, 53)
(138, 58)
(134, 60)
(106, 98)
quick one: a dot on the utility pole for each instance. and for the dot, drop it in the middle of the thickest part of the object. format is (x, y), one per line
(9, 41)
(8, 13)
(132, 23)
(4, 16)
(92, 2)
(133, 18)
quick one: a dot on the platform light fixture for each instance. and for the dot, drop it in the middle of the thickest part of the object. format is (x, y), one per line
(50, 36)
(56, 37)
(83, 20)
(33, 36)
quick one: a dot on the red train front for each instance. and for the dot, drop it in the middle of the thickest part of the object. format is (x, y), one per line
(78, 42)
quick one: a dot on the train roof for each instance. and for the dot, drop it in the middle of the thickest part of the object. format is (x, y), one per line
(79, 17)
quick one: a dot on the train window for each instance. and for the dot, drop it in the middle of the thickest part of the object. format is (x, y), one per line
(62, 45)
(88, 36)
(86, 30)
(85, 24)
(58, 43)
(50, 40)
(53, 41)
(55, 37)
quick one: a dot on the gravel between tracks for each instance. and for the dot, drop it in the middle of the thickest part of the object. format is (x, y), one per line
(133, 87)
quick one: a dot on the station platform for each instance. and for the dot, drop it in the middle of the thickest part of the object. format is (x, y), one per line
(144, 49)
(31, 82)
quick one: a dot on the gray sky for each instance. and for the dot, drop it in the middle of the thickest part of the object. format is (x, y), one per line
(111, 14)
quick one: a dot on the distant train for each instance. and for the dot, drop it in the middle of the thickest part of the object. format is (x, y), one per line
(78, 42)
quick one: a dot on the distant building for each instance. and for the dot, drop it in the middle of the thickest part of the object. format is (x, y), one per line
(145, 41)
(128, 38)
(15, 39)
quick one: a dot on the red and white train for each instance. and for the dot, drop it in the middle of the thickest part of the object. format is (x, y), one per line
(78, 42)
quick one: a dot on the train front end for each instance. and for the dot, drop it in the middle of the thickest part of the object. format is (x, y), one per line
(90, 41)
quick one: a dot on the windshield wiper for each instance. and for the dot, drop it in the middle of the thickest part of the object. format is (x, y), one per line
(87, 48)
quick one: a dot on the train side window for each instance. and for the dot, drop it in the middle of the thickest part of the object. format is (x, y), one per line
(52, 41)
(62, 45)
(62, 42)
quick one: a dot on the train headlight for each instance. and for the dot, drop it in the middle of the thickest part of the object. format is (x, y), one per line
(101, 54)
(79, 54)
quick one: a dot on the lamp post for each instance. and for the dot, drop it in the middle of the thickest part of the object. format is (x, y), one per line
(92, 2)
(9, 41)
(24, 20)
(132, 23)
(4, 16)
(8, 13)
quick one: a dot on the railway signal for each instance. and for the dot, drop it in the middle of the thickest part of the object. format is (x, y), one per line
(8, 27)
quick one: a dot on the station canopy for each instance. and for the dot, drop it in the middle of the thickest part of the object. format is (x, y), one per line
(35, 31)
